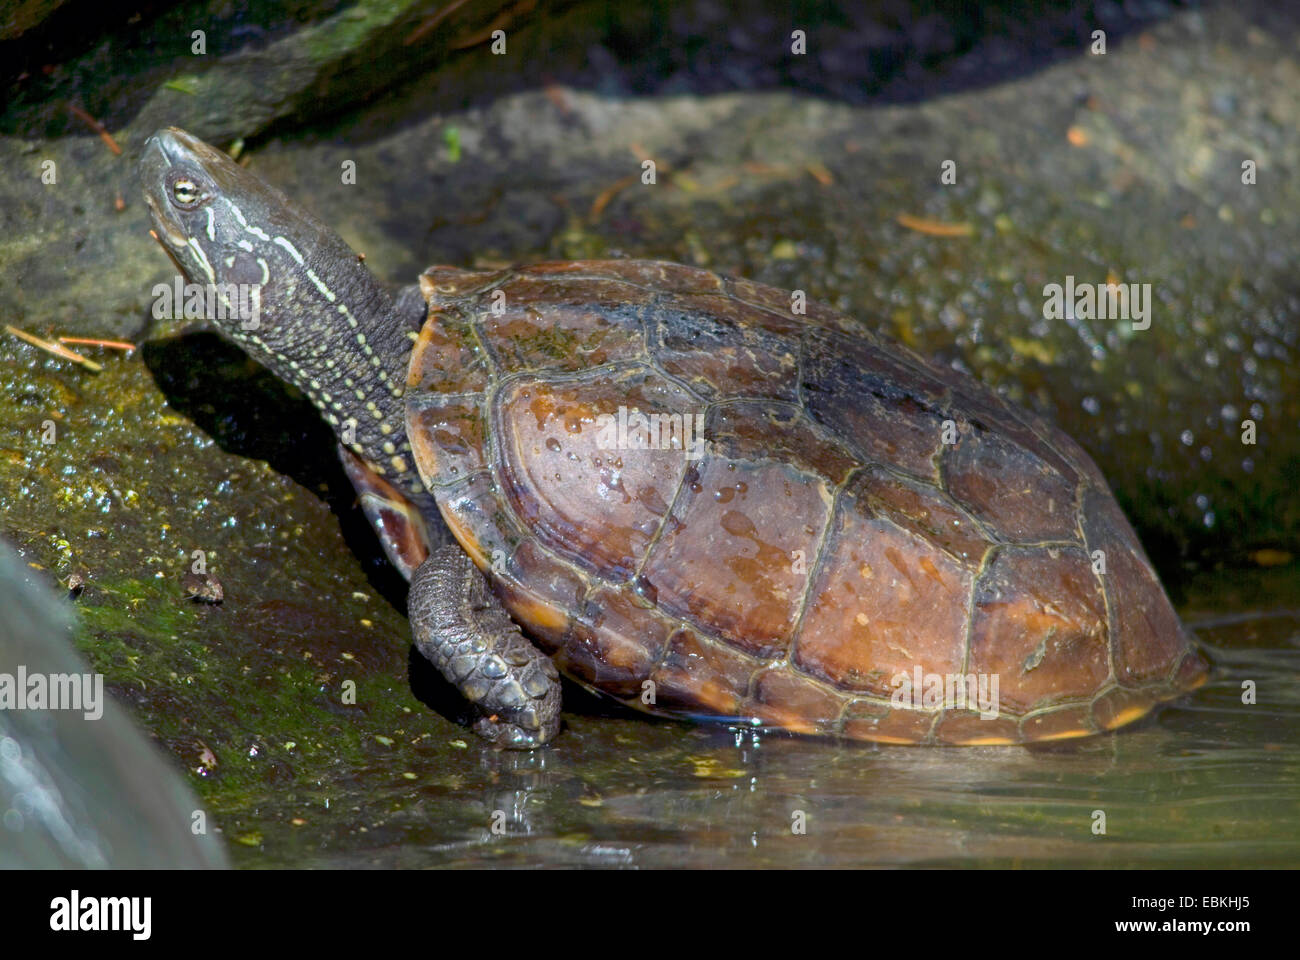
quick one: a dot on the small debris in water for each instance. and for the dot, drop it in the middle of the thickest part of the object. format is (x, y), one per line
(431, 21)
(451, 137)
(189, 85)
(1268, 557)
(556, 94)
(711, 767)
(934, 228)
(820, 173)
(207, 759)
(55, 348)
(95, 342)
(203, 587)
(605, 196)
(98, 127)
(76, 583)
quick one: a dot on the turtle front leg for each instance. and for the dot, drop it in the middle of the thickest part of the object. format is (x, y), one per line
(461, 627)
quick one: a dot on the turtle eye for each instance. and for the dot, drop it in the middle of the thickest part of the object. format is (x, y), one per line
(186, 192)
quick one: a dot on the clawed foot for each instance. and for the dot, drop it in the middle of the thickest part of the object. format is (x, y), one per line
(460, 625)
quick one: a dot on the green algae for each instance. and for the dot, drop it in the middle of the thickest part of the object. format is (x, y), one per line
(127, 494)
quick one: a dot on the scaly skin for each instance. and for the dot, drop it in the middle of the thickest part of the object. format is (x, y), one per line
(330, 329)
(460, 626)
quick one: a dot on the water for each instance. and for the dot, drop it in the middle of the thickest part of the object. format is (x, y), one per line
(1208, 782)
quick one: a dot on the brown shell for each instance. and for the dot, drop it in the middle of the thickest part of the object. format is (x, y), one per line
(858, 515)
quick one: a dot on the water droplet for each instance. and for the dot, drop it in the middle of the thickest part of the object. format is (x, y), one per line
(552, 444)
(737, 524)
(450, 442)
(653, 502)
(645, 589)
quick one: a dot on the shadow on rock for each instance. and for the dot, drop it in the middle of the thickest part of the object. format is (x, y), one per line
(248, 412)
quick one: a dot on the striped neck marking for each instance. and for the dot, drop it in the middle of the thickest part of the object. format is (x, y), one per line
(395, 390)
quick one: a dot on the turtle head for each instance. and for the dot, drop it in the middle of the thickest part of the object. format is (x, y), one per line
(271, 276)
(280, 283)
(200, 203)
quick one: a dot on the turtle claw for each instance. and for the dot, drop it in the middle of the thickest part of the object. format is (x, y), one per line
(461, 627)
(528, 703)
(513, 736)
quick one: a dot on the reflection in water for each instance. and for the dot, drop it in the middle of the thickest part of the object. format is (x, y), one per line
(1207, 782)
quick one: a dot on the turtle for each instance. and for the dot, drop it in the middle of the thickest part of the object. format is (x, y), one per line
(705, 497)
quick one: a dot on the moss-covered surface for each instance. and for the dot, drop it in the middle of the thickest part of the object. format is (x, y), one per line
(131, 488)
